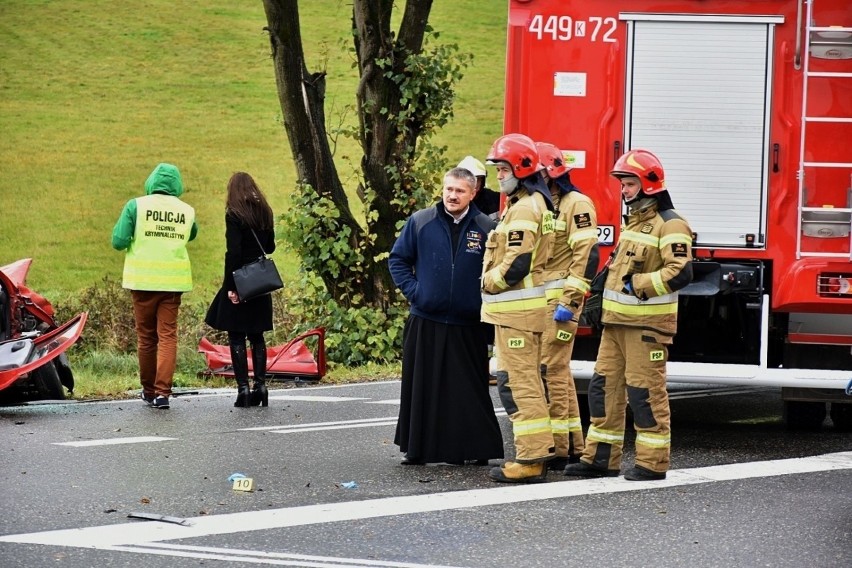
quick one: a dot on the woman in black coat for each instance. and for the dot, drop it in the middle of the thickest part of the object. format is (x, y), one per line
(248, 234)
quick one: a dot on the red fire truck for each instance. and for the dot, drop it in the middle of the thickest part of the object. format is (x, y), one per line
(748, 105)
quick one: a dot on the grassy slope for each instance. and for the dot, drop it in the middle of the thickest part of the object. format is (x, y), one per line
(94, 93)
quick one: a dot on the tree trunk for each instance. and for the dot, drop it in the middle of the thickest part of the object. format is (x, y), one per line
(301, 95)
(388, 149)
(388, 144)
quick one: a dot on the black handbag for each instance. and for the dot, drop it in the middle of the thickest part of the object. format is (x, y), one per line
(258, 277)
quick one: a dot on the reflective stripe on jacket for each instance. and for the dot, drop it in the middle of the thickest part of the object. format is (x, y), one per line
(654, 255)
(574, 258)
(515, 254)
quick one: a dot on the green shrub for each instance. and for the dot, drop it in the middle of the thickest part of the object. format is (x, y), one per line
(355, 334)
(108, 342)
(110, 325)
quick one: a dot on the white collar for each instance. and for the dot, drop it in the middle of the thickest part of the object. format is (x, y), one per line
(462, 215)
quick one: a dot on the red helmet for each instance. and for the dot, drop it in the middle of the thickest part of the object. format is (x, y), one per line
(519, 152)
(644, 165)
(552, 159)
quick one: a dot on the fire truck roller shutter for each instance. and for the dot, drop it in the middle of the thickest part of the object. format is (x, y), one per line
(697, 95)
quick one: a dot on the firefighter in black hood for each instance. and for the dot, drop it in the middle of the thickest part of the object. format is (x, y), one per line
(572, 264)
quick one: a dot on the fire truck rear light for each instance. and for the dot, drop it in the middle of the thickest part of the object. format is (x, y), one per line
(837, 285)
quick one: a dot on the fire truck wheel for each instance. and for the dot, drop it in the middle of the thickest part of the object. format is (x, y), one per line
(802, 415)
(46, 381)
(841, 416)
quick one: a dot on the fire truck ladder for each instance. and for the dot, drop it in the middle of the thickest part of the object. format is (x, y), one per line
(827, 220)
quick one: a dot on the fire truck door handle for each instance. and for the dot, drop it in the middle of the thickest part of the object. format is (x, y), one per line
(775, 149)
(616, 151)
(797, 60)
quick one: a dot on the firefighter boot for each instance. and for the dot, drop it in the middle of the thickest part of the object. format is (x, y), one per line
(259, 392)
(513, 472)
(559, 463)
(239, 360)
(582, 469)
(639, 473)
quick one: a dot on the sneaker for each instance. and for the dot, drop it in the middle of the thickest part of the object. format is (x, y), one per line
(582, 469)
(513, 472)
(161, 402)
(639, 473)
(147, 398)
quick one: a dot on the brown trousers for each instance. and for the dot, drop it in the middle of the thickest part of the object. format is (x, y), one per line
(557, 345)
(630, 368)
(156, 315)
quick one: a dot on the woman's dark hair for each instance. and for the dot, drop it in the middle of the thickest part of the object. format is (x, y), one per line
(247, 203)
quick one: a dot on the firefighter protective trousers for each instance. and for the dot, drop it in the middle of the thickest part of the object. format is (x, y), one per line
(630, 369)
(556, 348)
(572, 264)
(522, 393)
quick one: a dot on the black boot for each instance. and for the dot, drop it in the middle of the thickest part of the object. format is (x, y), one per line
(239, 360)
(259, 392)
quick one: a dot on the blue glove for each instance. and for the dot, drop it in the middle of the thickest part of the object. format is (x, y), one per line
(562, 314)
(628, 288)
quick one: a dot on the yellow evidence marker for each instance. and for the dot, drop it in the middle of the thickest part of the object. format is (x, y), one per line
(243, 484)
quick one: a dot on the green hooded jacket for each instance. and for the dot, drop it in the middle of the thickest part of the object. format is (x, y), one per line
(156, 257)
(164, 179)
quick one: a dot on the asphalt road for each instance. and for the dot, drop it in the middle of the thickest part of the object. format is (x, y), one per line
(329, 490)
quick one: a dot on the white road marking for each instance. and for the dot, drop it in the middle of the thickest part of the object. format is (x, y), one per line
(260, 557)
(694, 393)
(350, 426)
(337, 425)
(114, 441)
(312, 425)
(309, 398)
(125, 534)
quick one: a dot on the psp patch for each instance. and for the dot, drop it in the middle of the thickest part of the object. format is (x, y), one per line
(657, 355)
(516, 238)
(647, 228)
(679, 249)
(515, 343)
(563, 335)
(582, 220)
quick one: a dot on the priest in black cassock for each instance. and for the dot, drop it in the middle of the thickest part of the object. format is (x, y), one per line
(446, 414)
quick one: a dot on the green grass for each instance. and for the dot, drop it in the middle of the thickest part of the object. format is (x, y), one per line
(112, 375)
(95, 93)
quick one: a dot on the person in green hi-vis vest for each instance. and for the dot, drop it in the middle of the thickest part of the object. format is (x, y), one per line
(154, 231)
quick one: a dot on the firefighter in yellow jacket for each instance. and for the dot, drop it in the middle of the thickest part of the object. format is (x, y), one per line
(652, 262)
(513, 300)
(572, 264)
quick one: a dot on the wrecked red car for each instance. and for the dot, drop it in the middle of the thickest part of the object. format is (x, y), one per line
(295, 360)
(33, 363)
